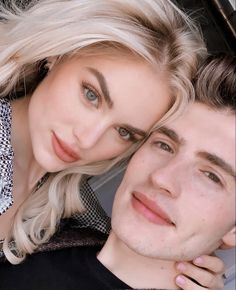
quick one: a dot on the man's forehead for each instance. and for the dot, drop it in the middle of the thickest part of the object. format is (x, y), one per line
(204, 130)
(200, 121)
(199, 115)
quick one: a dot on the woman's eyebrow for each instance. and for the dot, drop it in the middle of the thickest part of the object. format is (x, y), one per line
(135, 130)
(103, 84)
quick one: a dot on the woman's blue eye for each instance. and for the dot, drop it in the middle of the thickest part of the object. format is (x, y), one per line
(124, 133)
(91, 96)
(127, 135)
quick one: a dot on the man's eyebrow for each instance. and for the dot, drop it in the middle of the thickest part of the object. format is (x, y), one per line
(216, 160)
(103, 84)
(171, 134)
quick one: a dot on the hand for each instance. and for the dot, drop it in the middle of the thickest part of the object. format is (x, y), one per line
(205, 272)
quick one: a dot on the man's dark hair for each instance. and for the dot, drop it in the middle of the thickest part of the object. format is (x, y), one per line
(215, 83)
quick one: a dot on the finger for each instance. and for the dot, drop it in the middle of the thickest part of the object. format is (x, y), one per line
(186, 284)
(201, 276)
(211, 263)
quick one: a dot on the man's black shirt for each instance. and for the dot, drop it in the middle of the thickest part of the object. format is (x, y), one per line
(68, 269)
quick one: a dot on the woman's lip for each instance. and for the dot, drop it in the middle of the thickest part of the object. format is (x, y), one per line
(63, 151)
(150, 210)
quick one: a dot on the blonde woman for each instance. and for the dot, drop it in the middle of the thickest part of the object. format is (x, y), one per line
(96, 77)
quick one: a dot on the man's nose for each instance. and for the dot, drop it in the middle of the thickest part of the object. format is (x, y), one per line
(167, 178)
(88, 136)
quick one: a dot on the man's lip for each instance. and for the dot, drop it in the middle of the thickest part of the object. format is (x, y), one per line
(63, 150)
(150, 210)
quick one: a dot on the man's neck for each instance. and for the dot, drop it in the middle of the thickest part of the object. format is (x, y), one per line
(135, 270)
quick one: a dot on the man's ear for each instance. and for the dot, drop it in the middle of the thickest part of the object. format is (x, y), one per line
(229, 239)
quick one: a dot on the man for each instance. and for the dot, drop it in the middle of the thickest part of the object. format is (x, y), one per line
(176, 201)
(177, 198)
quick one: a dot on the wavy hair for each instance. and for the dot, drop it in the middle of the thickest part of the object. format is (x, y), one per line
(154, 30)
(215, 82)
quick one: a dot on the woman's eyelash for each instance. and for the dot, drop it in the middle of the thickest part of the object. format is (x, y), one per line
(131, 138)
(89, 88)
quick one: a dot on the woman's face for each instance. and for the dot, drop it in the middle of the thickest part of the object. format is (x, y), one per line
(89, 109)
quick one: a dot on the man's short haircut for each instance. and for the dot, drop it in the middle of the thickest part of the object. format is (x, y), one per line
(215, 83)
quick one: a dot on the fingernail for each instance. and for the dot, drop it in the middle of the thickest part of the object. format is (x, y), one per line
(198, 261)
(181, 267)
(180, 280)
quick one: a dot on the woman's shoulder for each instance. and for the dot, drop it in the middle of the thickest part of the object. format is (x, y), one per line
(68, 236)
(5, 112)
(6, 156)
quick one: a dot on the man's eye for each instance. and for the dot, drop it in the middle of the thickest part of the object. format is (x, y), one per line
(91, 96)
(164, 146)
(213, 177)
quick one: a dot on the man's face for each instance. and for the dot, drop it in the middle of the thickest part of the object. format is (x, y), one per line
(177, 198)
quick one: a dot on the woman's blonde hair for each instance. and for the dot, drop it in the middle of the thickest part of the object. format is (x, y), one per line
(154, 30)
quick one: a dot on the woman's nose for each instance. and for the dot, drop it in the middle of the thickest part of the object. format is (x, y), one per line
(88, 136)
